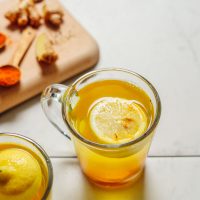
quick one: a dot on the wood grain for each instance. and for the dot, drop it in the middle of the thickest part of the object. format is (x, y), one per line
(76, 48)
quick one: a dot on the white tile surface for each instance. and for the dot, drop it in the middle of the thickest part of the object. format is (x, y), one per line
(164, 179)
(159, 39)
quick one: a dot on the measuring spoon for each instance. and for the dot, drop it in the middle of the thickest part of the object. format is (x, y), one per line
(10, 74)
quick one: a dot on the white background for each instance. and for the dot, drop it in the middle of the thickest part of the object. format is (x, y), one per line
(159, 39)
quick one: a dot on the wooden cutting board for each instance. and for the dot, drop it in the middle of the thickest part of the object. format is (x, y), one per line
(76, 48)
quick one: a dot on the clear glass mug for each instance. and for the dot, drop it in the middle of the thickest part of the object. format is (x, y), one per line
(104, 164)
(29, 144)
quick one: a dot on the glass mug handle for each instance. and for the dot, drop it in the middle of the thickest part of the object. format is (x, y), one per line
(51, 101)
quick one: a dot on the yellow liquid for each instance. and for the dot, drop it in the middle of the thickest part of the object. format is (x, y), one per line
(108, 88)
(113, 167)
(20, 193)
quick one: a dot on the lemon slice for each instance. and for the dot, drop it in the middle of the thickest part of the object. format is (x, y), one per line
(117, 120)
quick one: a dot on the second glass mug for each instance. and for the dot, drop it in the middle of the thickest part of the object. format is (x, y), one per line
(104, 164)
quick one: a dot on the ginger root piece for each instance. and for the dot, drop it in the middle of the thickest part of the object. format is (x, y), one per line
(19, 15)
(23, 19)
(44, 50)
(55, 19)
(24, 14)
(24, 4)
(37, 1)
(53, 15)
(12, 15)
(34, 16)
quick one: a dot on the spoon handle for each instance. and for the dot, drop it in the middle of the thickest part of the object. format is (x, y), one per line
(26, 39)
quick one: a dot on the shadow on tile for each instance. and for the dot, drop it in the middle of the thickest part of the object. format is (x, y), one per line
(135, 191)
(12, 113)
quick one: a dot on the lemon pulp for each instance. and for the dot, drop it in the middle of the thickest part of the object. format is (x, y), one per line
(117, 120)
(20, 175)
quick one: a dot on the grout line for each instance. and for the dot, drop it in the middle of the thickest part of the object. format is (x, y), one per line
(63, 156)
(150, 156)
(173, 156)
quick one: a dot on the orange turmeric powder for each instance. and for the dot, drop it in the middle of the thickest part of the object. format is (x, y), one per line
(9, 76)
(2, 40)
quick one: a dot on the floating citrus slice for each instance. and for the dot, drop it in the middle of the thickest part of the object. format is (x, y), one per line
(117, 120)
